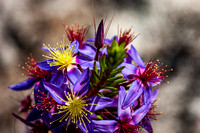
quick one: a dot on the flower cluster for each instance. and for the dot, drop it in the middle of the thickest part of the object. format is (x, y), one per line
(91, 86)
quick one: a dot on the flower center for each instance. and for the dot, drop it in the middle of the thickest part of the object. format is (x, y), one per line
(127, 128)
(152, 73)
(63, 56)
(74, 110)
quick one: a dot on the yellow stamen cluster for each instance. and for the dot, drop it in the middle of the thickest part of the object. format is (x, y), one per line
(62, 56)
(74, 110)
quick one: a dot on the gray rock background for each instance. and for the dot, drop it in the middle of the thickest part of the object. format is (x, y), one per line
(169, 30)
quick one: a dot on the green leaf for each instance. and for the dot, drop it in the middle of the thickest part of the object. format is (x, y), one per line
(95, 77)
(116, 71)
(114, 78)
(115, 54)
(118, 82)
(102, 61)
(108, 76)
(111, 88)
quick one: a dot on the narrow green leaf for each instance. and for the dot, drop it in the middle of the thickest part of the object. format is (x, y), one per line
(118, 82)
(114, 78)
(102, 61)
(96, 75)
(111, 88)
(116, 71)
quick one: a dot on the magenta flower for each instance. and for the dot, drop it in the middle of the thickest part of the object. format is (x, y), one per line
(127, 120)
(142, 76)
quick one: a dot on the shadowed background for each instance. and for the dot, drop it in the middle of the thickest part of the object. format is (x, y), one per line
(169, 30)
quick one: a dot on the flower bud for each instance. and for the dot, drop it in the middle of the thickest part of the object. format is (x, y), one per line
(99, 39)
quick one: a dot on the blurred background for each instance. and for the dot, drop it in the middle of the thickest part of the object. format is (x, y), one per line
(169, 30)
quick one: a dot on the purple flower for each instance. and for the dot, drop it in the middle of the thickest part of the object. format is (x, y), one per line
(151, 114)
(64, 58)
(141, 75)
(127, 120)
(44, 105)
(35, 74)
(73, 104)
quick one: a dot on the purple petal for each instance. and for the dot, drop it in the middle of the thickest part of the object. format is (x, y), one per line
(129, 69)
(90, 65)
(74, 45)
(82, 84)
(97, 103)
(56, 93)
(45, 66)
(122, 112)
(146, 124)
(104, 126)
(38, 90)
(88, 51)
(135, 90)
(139, 114)
(73, 75)
(128, 59)
(83, 58)
(55, 120)
(114, 103)
(34, 115)
(134, 54)
(25, 85)
(135, 104)
(147, 94)
(45, 49)
(85, 62)
(57, 78)
(108, 41)
(91, 40)
(86, 125)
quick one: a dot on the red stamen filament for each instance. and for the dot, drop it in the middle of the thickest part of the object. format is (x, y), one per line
(152, 114)
(125, 127)
(126, 37)
(76, 32)
(153, 72)
(33, 70)
(45, 103)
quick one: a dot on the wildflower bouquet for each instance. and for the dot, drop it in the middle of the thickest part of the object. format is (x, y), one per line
(97, 85)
